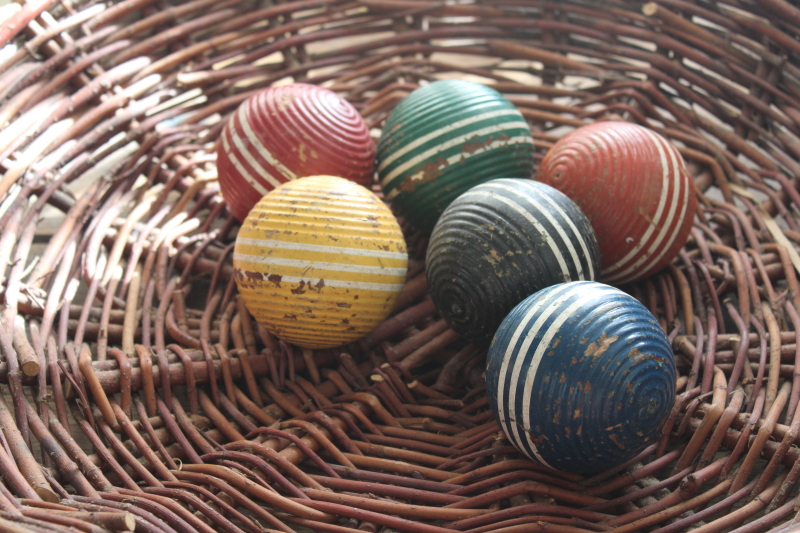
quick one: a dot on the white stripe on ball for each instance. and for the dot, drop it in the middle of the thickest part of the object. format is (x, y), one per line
(612, 272)
(669, 227)
(516, 356)
(444, 131)
(541, 229)
(255, 142)
(238, 164)
(269, 243)
(559, 228)
(456, 141)
(319, 265)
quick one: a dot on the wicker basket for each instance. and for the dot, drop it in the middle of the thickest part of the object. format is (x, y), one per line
(141, 392)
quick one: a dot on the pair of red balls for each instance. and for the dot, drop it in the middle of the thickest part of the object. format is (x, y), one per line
(630, 182)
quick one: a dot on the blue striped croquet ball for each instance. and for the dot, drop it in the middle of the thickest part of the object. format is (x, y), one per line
(581, 377)
(445, 138)
(499, 243)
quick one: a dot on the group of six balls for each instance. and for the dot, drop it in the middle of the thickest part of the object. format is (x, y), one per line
(580, 376)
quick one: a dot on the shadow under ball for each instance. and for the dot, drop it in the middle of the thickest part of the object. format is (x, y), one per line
(499, 243)
(581, 377)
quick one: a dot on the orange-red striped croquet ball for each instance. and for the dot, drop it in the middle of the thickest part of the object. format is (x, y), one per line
(634, 188)
(289, 132)
(320, 261)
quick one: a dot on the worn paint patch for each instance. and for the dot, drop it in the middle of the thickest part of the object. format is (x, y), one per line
(599, 347)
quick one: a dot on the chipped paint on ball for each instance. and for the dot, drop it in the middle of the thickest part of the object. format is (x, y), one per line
(500, 242)
(289, 132)
(634, 188)
(320, 261)
(581, 377)
(445, 138)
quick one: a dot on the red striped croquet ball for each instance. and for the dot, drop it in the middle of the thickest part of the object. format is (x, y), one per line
(634, 188)
(289, 132)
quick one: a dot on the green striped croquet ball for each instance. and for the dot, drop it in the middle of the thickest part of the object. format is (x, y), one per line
(445, 138)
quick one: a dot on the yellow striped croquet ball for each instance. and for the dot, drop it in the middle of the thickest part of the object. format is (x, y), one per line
(320, 261)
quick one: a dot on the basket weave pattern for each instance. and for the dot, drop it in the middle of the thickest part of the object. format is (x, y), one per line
(138, 388)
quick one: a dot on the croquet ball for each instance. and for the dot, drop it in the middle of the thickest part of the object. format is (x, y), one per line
(445, 138)
(581, 377)
(289, 132)
(634, 188)
(320, 261)
(500, 242)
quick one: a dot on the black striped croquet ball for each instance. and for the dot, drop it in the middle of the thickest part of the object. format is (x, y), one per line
(499, 243)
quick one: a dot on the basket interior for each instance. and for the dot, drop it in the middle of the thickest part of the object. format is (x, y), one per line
(138, 389)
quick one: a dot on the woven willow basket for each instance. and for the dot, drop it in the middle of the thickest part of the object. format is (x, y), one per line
(140, 393)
